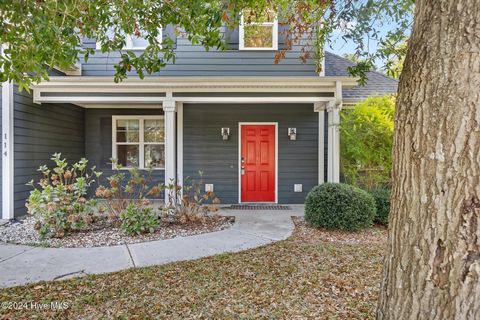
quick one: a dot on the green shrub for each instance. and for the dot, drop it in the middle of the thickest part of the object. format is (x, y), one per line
(59, 204)
(366, 134)
(382, 203)
(137, 219)
(339, 206)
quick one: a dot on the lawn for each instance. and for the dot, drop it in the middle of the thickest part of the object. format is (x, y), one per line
(312, 275)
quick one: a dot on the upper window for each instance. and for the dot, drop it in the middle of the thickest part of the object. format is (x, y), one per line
(139, 141)
(134, 42)
(258, 34)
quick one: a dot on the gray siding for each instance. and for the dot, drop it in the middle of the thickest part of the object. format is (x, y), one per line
(40, 131)
(205, 150)
(193, 60)
(98, 138)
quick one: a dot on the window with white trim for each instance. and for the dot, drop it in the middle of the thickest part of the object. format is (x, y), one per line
(134, 42)
(258, 35)
(139, 141)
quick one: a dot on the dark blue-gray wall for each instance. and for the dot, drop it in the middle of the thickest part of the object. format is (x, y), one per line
(40, 131)
(193, 60)
(205, 150)
(98, 138)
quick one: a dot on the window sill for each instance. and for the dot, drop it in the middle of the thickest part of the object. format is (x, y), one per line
(142, 169)
(258, 49)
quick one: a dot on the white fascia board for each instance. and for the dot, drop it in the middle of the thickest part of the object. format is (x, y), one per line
(170, 85)
(215, 82)
(73, 70)
(107, 102)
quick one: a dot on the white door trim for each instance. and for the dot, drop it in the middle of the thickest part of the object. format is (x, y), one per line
(240, 124)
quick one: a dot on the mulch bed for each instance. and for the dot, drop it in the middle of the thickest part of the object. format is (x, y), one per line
(105, 233)
(315, 274)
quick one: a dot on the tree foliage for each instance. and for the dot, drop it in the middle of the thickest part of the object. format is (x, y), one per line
(36, 34)
(366, 142)
(395, 55)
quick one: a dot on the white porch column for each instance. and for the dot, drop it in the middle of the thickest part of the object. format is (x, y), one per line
(7, 151)
(180, 145)
(333, 108)
(169, 109)
(333, 165)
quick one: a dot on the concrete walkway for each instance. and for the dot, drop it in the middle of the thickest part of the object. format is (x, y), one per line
(23, 264)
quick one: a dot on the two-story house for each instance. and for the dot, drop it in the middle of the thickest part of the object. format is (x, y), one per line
(260, 131)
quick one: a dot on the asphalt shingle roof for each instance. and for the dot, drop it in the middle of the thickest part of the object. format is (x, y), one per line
(377, 84)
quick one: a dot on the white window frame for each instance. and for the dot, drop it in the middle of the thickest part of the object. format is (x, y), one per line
(129, 42)
(241, 34)
(141, 143)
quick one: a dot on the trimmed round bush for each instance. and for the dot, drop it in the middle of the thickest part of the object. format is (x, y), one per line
(382, 203)
(339, 206)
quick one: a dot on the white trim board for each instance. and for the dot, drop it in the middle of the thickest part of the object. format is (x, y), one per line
(8, 206)
(241, 35)
(240, 124)
(152, 102)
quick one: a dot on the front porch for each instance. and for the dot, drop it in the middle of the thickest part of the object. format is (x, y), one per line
(194, 110)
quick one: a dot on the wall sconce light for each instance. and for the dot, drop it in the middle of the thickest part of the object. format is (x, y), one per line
(225, 132)
(292, 133)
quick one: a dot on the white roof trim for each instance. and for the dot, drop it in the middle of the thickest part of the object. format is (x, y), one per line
(197, 82)
(92, 88)
(73, 70)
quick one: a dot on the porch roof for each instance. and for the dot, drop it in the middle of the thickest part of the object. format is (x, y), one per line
(90, 91)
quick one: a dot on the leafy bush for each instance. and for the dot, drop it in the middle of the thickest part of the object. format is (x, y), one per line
(366, 142)
(138, 219)
(339, 206)
(124, 189)
(60, 205)
(382, 203)
(188, 203)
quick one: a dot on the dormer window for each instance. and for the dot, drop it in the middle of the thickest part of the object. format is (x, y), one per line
(134, 42)
(258, 33)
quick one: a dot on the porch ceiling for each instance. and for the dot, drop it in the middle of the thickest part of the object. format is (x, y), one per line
(95, 91)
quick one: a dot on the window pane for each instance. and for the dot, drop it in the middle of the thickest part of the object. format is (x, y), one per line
(251, 16)
(128, 155)
(154, 131)
(128, 130)
(139, 42)
(155, 156)
(258, 36)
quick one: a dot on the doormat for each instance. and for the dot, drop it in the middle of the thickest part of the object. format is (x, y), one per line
(259, 207)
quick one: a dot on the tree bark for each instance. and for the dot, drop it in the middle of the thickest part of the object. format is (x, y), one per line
(432, 266)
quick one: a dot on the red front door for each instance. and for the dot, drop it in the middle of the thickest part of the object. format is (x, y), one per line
(258, 163)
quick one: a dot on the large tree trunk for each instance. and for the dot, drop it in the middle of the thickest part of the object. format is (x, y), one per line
(432, 267)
